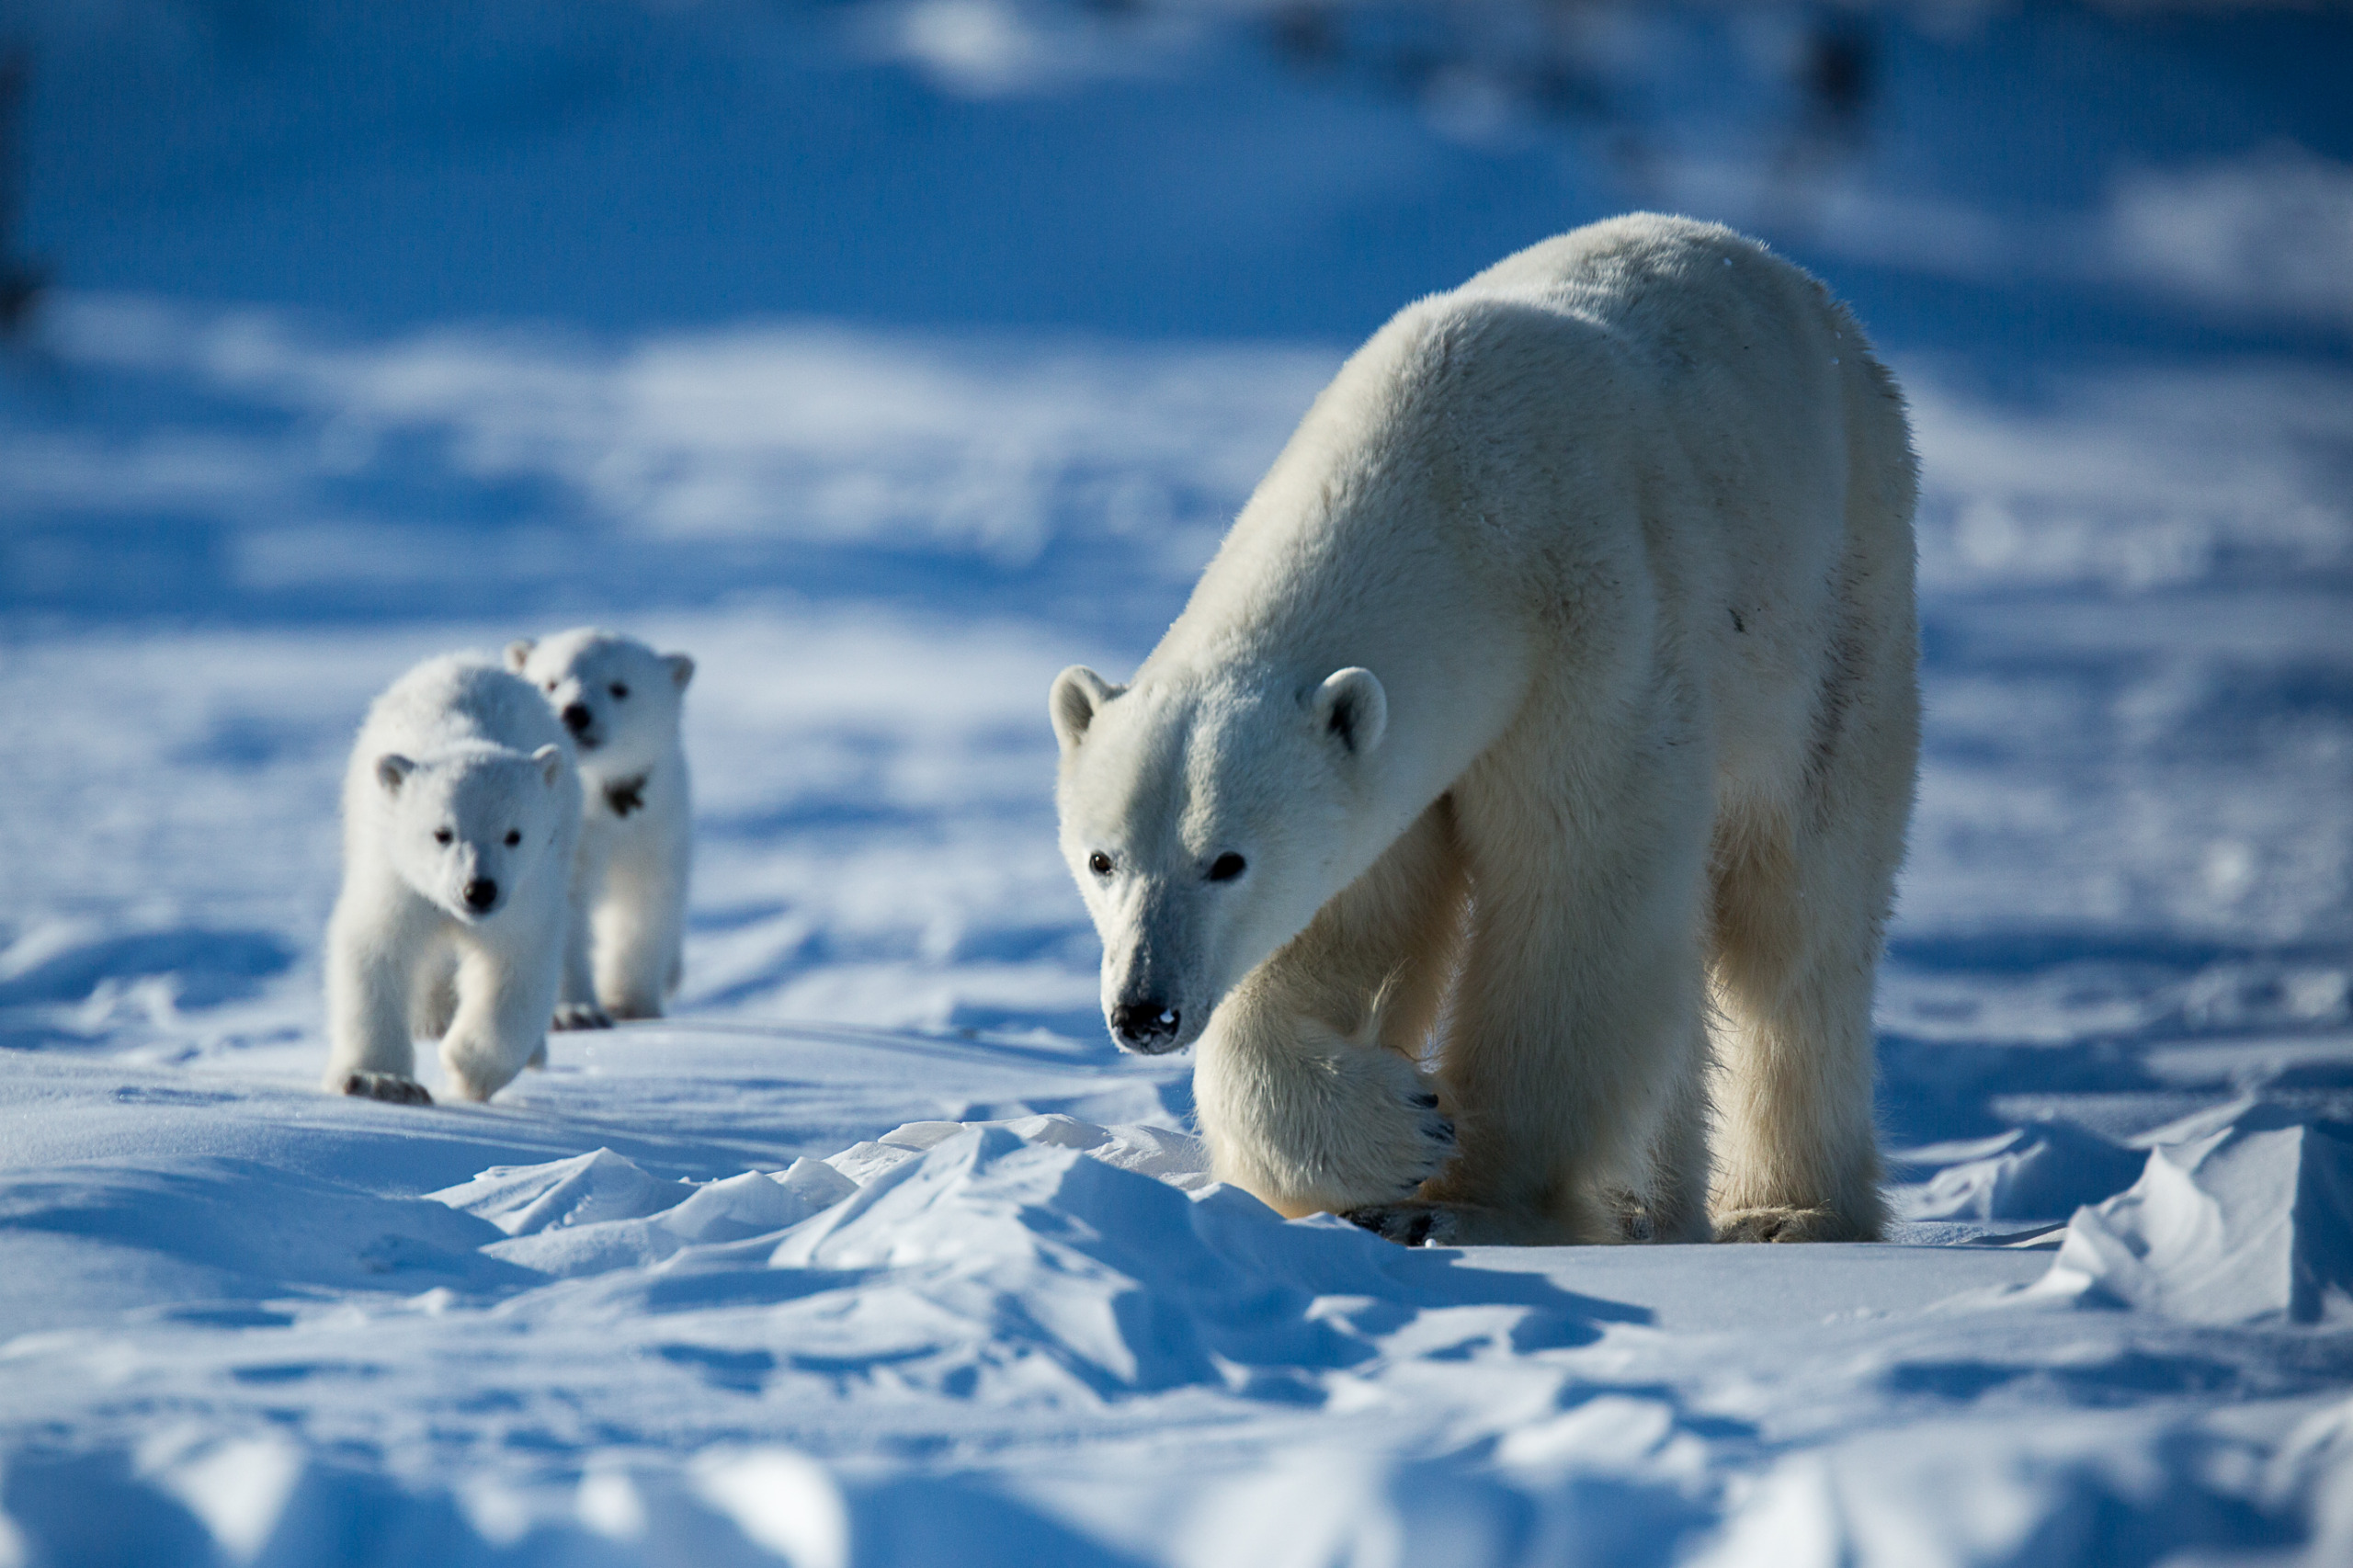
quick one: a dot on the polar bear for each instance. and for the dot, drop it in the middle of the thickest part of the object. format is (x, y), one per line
(620, 701)
(1553, 696)
(461, 817)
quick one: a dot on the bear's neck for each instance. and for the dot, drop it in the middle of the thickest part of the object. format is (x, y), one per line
(623, 796)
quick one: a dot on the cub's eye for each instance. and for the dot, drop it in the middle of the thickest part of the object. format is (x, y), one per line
(514, 838)
(550, 686)
(1099, 863)
(442, 835)
(619, 688)
(1227, 867)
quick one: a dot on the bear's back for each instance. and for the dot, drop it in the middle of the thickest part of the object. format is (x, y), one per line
(457, 699)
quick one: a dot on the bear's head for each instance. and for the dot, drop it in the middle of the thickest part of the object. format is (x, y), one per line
(473, 828)
(619, 697)
(1206, 823)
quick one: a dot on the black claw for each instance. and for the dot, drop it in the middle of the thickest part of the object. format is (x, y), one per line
(1429, 1100)
(1417, 1228)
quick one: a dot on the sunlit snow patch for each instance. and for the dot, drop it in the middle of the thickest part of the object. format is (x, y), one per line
(2245, 1217)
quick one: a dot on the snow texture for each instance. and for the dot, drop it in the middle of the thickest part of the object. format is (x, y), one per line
(888, 358)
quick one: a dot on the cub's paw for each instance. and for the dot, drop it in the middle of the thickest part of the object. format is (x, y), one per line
(1786, 1225)
(1408, 1225)
(579, 1016)
(387, 1087)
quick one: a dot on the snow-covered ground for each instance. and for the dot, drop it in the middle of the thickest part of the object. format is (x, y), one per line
(875, 1252)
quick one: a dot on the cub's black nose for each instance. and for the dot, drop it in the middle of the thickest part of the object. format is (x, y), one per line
(577, 718)
(480, 893)
(1148, 1028)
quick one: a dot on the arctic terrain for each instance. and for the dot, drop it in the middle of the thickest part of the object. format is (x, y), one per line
(886, 358)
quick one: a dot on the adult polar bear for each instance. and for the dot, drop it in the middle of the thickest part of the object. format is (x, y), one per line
(1556, 691)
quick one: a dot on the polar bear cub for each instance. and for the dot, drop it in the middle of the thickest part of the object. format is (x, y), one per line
(461, 819)
(620, 701)
(1511, 815)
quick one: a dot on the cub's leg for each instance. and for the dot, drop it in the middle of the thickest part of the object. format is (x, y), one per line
(373, 952)
(1307, 1082)
(1575, 1028)
(641, 925)
(576, 1007)
(506, 993)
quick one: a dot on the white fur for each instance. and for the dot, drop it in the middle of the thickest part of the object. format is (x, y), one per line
(623, 956)
(1557, 687)
(456, 747)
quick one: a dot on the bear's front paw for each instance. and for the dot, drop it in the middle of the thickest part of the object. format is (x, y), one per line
(581, 1016)
(1778, 1224)
(1434, 1132)
(1407, 1225)
(387, 1087)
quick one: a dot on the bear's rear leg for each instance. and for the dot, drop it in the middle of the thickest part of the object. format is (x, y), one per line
(1797, 1156)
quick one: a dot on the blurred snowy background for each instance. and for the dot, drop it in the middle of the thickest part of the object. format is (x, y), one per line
(889, 356)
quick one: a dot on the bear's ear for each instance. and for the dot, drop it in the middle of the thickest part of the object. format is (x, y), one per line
(392, 770)
(682, 669)
(550, 761)
(1351, 705)
(1079, 694)
(518, 653)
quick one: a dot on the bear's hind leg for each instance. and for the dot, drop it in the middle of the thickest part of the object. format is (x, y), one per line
(1797, 1158)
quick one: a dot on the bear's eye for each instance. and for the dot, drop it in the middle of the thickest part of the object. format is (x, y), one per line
(442, 835)
(550, 686)
(514, 838)
(617, 688)
(1099, 863)
(1227, 867)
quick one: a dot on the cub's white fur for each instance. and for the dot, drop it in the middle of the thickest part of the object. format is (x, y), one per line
(460, 815)
(1554, 694)
(619, 700)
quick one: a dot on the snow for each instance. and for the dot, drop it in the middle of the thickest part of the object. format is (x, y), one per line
(888, 358)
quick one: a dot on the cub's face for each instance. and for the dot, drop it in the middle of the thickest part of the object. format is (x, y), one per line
(619, 699)
(469, 830)
(1205, 828)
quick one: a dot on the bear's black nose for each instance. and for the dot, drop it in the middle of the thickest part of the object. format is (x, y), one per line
(577, 718)
(480, 893)
(1147, 1028)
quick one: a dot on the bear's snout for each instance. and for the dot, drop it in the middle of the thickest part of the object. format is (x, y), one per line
(480, 894)
(1147, 1028)
(577, 718)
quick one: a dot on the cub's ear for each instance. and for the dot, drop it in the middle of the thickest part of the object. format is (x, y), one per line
(1351, 706)
(550, 761)
(1079, 694)
(682, 669)
(518, 653)
(392, 770)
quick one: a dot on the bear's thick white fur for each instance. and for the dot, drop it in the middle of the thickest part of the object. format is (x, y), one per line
(620, 701)
(460, 778)
(1556, 692)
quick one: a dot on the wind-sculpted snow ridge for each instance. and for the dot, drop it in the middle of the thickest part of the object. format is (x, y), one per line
(2028, 1173)
(1043, 1258)
(2243, 1215)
